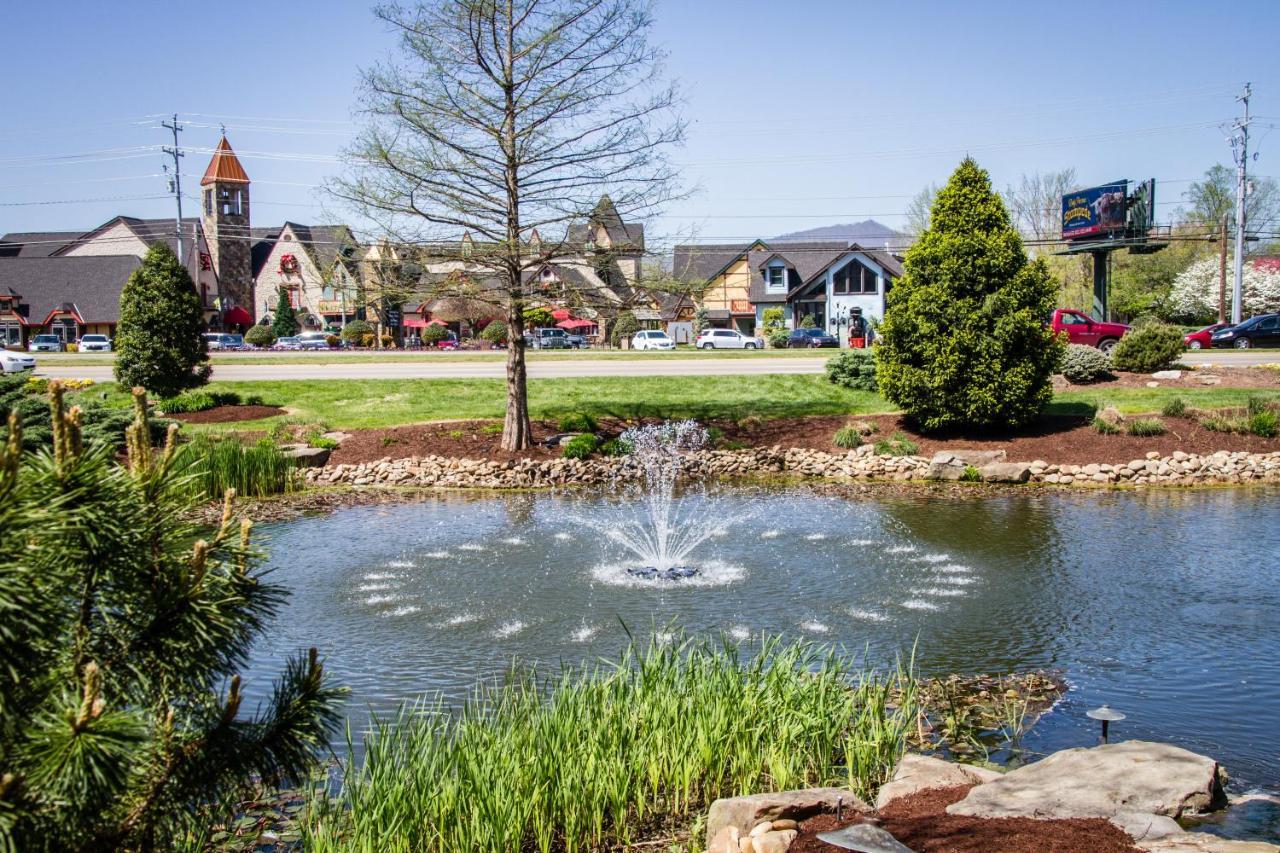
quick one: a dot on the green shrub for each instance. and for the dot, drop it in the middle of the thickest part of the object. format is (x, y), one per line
(1145, 427)
(577, 422)
(1175, 408)
(624, 328)
(332, 341)
(492, 428)
(1082, 364)
(124, 631)
(963, 342)
(260, 336)
(778, 338)
(433, 334)
(594, 758)
(1264, 424)
(1255, 405)
(158, 344)
(897, 444)
(201, 401)
(323, 442)
(538, 316)
(855, 368)
(970, 474)
(354, 333)
(1219, 422)
(847, 437)
(580, 446)
(1148, 348)
(253, 470)
(1106, 427)
(495, 332)
(807, 322)
(615, 447)
(28, 398)
(285, 322)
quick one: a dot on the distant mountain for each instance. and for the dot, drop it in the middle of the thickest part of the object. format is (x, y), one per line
(868, 233)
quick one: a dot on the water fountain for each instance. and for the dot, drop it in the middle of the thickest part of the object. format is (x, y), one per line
(662, 535)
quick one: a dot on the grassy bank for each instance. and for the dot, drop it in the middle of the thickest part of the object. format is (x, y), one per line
(629, 750)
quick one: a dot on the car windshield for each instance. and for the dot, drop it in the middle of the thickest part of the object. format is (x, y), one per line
(46, 339)
(233, 339)
(94, 339)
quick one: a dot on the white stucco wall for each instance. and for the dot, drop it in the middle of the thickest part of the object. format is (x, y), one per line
(116, 240)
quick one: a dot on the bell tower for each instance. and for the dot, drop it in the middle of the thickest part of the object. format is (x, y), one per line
(224, 191)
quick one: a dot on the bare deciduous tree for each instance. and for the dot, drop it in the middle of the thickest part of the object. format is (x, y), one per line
(499, 117)
(1036, 203)
(919, 209)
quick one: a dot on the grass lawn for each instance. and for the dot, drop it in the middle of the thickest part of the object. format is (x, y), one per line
(354, 404)
(337, 357)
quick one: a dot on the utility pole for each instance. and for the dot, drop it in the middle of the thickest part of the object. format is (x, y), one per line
(1222, 270)
(175, 185)
(1240, 151)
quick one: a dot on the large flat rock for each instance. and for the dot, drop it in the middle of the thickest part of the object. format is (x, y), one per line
(1134, 776)
(916, 773)
(746, 812)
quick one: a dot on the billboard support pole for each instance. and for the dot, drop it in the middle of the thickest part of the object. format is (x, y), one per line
(1100, 270)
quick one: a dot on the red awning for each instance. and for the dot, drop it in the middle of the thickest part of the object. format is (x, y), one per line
(572, 323)
(561, 314)
(237, 316)
(413, 323)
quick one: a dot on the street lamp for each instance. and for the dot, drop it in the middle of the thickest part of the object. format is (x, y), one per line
(1107, 715)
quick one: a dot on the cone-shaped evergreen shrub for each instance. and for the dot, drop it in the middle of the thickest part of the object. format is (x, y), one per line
(964, 340)
(285, 322)
(158, 343)
(123, 630)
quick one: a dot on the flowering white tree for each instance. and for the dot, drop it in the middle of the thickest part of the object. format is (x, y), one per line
(1195, 290)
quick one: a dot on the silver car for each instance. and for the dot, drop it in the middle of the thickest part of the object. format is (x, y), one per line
(16, 362)
(727, 339)
(46, 343)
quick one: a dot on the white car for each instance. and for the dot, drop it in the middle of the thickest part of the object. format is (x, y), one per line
(727, 339)
(652, 339)
(16, 362)
(95, 343)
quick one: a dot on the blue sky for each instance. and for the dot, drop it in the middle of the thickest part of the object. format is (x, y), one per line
(802, 114)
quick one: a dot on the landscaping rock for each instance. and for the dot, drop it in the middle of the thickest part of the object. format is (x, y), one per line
(307, 457)
(1006, 472)
(1208, 379)
(915, 773)
(1146, 827)
(1167, 374)
(1134, 776)
(725, 841)
(774, 841)
(1199, 842)
(976, 458)
(745, 813)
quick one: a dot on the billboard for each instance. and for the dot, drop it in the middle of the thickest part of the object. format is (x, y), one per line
(1097, 210)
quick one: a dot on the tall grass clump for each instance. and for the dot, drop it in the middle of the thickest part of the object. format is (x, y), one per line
(253, 470)
(602, 756)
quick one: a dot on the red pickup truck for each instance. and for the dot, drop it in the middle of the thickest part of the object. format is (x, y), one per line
(1080, 328)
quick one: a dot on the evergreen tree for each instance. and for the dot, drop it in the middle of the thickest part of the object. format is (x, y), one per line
(123, 630)
(285, 323)
(964, 340)
(158, 341)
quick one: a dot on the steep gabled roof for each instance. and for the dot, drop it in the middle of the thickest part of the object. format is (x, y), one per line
(225, 167)
(149, 231)
(35, 244)
(703, 262)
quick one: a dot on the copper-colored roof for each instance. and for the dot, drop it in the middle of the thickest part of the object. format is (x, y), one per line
(224, 167)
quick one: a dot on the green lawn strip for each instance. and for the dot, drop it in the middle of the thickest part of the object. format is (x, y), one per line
(94, 360)
(373, 403)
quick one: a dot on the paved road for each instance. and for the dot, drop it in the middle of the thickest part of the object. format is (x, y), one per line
(392, 368)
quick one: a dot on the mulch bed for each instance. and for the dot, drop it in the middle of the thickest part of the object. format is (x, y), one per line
(1057, 440)
(1232, 377)
(921, 822)
(227, 414)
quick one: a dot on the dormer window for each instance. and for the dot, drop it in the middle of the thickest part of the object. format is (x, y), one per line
(775, 279)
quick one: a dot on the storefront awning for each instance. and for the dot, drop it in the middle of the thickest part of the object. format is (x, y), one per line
(237, 316)
(573, 323)
(413, 323)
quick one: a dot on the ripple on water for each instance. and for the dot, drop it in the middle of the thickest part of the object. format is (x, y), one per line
(867, 615)
(509, 629)
(933, 558)
(436, 555)
(816, 537)
(939, 592)
(586, 632)
(375, 600)
(861, 543)
(739, 633)
(957, 580)
(920, 604)
(711, 573)
(379, 576)
(513, 540)
(954, 569)
(462, 619)
(901, 549)
(373, 587)
(402, 611)
(470, 546)
(400, 564)
(813, 626)
(563, 537)
(771, 534)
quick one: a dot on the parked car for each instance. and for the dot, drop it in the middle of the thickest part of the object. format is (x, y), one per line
(547, 337)
(727, 339)
(1080, 328)
(313, 340)
(95, 343)
(450, 341)
(46, 343)
(1260, 331)
(1203, 338)
(16, 362)
(648, 339)
(812, 338)
(577, 341)
(287, 342)
(223, 341)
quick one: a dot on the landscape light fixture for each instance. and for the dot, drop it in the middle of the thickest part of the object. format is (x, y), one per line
(864, 838)
(1107, 715)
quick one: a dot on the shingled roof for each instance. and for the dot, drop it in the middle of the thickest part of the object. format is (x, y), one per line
(703, 262)
(225, 167)
(805, 259)
(623, 235)
(91, 284)
(35, 244)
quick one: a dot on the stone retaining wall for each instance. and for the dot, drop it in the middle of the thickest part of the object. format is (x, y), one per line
(862, 464)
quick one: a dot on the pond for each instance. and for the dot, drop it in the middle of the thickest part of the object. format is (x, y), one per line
(1164, 604)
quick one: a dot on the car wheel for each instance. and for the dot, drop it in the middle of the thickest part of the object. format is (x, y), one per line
(749, 346)
(711, 344)
(1195, 345)
(1243, 343)
(1108, 345)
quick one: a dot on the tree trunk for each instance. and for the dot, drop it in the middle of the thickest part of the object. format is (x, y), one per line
(517, 434)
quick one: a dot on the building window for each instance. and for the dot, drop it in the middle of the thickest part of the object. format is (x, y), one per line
(868, 281)
(208, 202)
(840, 281)
(776, 279)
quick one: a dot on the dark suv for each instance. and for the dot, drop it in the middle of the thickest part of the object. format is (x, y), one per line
(811, 338)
